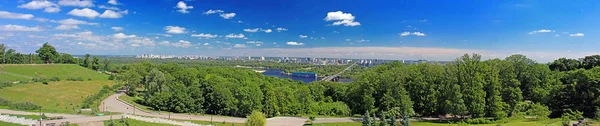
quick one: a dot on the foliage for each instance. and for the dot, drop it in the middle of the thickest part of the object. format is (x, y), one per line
(539, 111)
(89, 100)
(367, 120)
(47, 53)
(569, 116)
(478, 121)
(257, 118)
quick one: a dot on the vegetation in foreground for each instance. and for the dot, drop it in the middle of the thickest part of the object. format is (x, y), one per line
(130, 122)
(59, 97)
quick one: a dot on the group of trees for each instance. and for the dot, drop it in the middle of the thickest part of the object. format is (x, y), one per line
(46, 54)
(94, 63)
(469, 87)
(226, 91)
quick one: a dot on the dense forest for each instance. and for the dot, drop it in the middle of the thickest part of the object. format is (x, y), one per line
(468, 87)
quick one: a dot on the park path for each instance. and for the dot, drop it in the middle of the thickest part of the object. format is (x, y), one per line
(113, 104)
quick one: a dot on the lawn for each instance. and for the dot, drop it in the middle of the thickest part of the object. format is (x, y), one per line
(216, 123)
(18, 72)
(57, 97)
(131, 100)
(133, 122)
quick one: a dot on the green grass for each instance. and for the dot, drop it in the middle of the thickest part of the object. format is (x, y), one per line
(34, 117)
(131, 100)
(133, 122)
(56, 97)
(9, 124)
(19, 72)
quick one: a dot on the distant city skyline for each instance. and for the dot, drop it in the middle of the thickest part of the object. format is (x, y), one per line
(426, 29)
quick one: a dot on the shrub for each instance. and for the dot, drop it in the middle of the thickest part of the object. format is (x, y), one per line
(5, 84)
(25, 106)
(4, 102)
(112, 77)
(539, 111)
(256, 119)
(597, 114)
(569, 116)
(54, 79)
(79, 78)
(89, 79)
(45, 82)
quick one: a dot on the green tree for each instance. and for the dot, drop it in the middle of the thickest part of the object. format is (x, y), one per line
(471, 79)
(86, 61)
(539, 111)
(257, 118)
(96, 63)
(382, 119)
(367, 120)
(47, 53)
(2, 54)
(455, 104)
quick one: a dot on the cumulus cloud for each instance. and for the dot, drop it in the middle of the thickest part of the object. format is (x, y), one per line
(202, 35)
(11, 15)
(182, 44)
(302, 36)
(251, 30)
(66, 27)
(295, 43)
(540, 31)
(113, 2)
(281, 29)
(227, 15)
(72, 21)
(341, 18)
(19, 28)
(175, 29)
(254, 42)
(39, 4)
(123, 36)
(413, 33)
(41, 19)
(77, 3)
(111, 14)
(239, 36)
(206, 44)
(183, 8)
(267, 31)
(213, 11)
(85, 12)
(117, 28)
(577, 35)
(240, 46)
(108, 7)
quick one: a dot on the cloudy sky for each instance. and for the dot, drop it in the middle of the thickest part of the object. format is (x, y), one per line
(391, 29)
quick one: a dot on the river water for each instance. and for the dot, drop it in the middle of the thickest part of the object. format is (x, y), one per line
(277, 73)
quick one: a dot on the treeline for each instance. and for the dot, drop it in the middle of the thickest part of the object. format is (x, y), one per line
(226, 91)
(475, 88)
(46, 54)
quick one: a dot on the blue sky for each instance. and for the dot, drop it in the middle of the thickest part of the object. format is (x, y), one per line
(390, 29)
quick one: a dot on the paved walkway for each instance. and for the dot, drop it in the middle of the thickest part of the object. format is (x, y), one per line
(113, 104)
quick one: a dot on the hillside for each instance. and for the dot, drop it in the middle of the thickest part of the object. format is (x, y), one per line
(20, 72)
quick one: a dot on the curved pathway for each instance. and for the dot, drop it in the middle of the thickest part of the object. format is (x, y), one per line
(113, 104)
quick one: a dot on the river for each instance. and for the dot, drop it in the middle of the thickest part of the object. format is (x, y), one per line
(277, 73)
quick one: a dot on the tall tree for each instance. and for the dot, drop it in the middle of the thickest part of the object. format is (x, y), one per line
(47, 53)
(96, 63)
(86, 61)
(471, 79)
(2, 53)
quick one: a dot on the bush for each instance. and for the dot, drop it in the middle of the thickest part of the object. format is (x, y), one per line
(597, 114)
(89, 79)
(569, 116)
(4, 102)
(539, 111)
(5, 84)
(112, 77)
(256, 119)
(54, 79)
(25, 106)
(478, 121)
(45, 82)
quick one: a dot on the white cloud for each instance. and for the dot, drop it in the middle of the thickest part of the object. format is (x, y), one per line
(182, 43)
(123, 36)
(251, 30)
(165, 43)
(66, 27)
(117, 28)
(52, 9)
(267, 31)
(281, 29)
(413, 33)
(72, 21)
(39, 4)
(577, 35)
(113, 2)
(235, 36)
(240, 46)
(19, 28)
(11, 15)
(110, 14)
(227, 15)
(85, 12)
(540, 31)
(213, 12)
(206, 44)
(108, 7)
(295, 43)
(302, 36)
(77, 3)
(202, 35)
(424, 20)
(135, 45)
(363, 40)
(183, 8)
(347, 23)
(240, 22)
(341, 18)
(175, 29)
(41, 19)
(254, 42)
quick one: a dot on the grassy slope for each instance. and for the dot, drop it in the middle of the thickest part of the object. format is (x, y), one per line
(133, 122)
(63, 71)
(59, 97)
